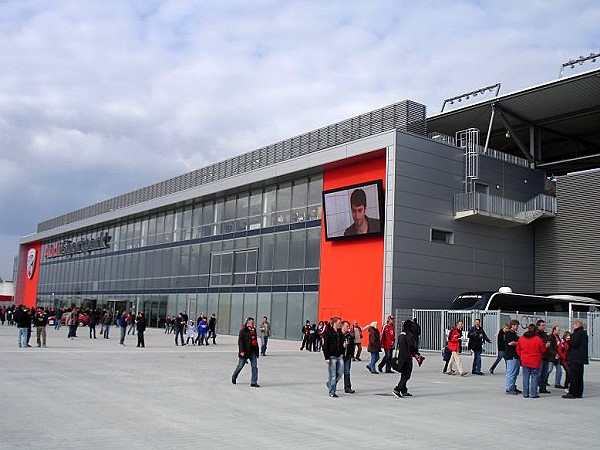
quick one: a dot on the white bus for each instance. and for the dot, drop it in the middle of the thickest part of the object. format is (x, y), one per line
(511, 301)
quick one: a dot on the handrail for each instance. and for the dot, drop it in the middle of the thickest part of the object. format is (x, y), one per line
(441, 137)
(501, 206)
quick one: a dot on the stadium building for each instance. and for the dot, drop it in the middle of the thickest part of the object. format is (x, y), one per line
(500, 192)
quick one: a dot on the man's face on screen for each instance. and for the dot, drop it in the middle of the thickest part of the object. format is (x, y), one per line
(358, 215)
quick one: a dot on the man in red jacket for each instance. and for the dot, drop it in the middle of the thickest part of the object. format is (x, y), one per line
(454, 343)
(388, 339)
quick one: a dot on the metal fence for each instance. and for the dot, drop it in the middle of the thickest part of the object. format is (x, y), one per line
(435, 324)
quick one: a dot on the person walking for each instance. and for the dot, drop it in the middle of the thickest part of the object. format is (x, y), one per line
(530, 349)
(477, 337)
(406, 351)
(577, 356)
(357, 331)
(501, 347)
(388, 340)
(140, 324)
(306, 336)
(202, 330)
(374, 346)
(454, 345)
(58, 319)
(179, 323)
(247, 351)
(265, 331)
(40, 320)
(511, 358)
(23, 321)
(108, 319)
(122, 323)
(348, 355)
(131, 318)
(92, 320)
(333, 349)
(190, 332)
(212, 329)
(72, 320)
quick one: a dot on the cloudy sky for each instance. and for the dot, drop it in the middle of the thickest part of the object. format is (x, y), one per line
(98, 98)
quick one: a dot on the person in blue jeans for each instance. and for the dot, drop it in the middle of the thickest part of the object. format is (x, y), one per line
(348, 355)
(512, 358)
(374, 346)
(247, 351)
(530, 349)
(501, 347)
(265, 330)
(476, 337)
(333, 349)
(122, 323)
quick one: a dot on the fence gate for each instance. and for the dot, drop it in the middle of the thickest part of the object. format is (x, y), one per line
(435, 324)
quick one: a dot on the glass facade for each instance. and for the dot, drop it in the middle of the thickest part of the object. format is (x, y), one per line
(252, 253)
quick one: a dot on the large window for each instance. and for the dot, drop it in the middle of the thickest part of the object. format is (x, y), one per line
(234, 268)
(288, 254)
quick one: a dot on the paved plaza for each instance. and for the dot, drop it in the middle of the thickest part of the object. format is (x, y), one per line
(96, 394)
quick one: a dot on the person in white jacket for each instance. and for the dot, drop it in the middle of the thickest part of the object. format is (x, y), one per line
(190, 332)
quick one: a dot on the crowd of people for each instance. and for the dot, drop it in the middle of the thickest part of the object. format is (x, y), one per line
(341, 344)
(189, 333)
(25, 318)
(536, 353)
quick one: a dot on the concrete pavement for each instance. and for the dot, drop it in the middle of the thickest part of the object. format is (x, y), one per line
(96, 394)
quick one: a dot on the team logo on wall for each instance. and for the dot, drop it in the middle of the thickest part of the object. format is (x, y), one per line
(31, 258)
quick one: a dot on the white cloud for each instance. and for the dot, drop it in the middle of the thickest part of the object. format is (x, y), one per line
(98, 98)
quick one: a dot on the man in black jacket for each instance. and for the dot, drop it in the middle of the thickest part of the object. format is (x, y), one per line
(577, 356)
(476, 337)
(23, 320)
(140, 323)
(212, 329)
(333, 349)
(248, 350)
(179, 325)
(41, 320)
(306, 336)
(546, 357)
(406, 350)
(348, 345)
(511, 358)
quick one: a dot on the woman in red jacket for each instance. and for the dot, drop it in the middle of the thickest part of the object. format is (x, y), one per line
(530, 349)
(562, 354)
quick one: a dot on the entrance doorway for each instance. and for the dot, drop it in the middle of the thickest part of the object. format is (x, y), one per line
(117, 306)
(155, 312)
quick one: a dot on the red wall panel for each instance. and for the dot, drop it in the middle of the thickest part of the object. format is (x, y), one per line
(351, 276)
(30, 286)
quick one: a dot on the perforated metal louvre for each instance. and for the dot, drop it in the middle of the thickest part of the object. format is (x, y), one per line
(405, 116)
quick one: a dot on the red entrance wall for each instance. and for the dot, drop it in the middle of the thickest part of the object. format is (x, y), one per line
(351, 277)
(30, 286)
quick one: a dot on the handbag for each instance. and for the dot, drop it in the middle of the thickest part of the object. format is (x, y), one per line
(420, 358)
(396, 362)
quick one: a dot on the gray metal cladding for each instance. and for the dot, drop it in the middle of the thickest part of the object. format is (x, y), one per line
(567, 257)
(430, 274)
(404, 116)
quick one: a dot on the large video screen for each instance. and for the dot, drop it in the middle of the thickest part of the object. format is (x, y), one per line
(354, 211)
